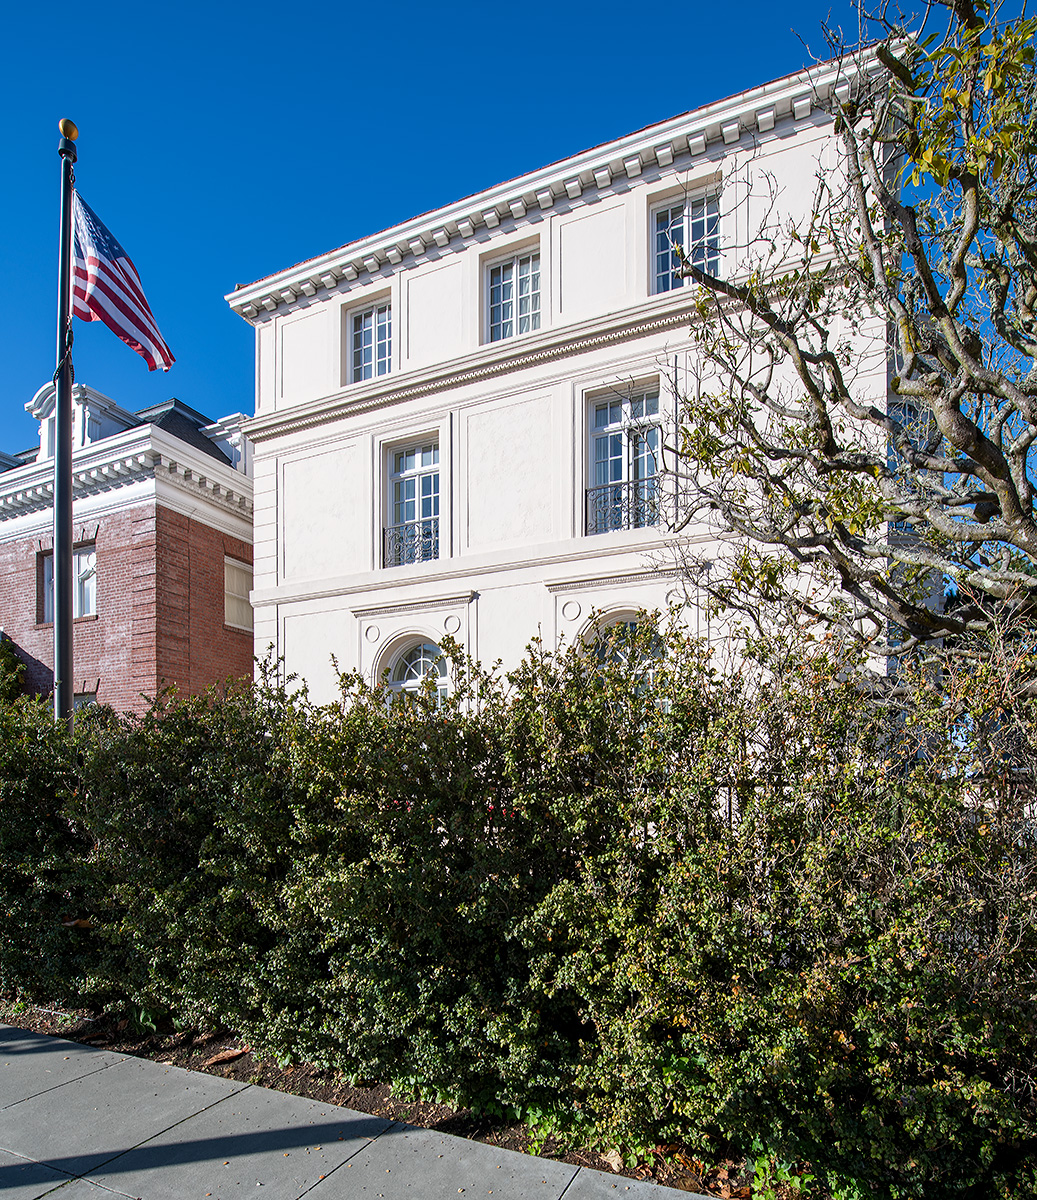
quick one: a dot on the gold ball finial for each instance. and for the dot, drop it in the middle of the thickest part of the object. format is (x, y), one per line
(68, 129)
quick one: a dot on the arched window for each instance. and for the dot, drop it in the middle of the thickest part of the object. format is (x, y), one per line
(628, 644)
(614, 643)
(413, 666)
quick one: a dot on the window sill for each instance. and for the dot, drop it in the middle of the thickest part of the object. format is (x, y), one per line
(75, 621)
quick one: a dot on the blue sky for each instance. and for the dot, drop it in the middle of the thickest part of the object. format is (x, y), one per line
(222, 142)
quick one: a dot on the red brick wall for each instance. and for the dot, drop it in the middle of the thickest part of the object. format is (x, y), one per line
(195, 647)
(159, 608)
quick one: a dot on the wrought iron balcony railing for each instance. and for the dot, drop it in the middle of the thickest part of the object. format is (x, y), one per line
(631, 505)
(412, 542)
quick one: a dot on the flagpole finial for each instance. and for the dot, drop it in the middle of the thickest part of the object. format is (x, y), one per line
(68, 129)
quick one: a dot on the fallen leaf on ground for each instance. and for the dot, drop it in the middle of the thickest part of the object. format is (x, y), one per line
(614, 1160)
(225, 1056)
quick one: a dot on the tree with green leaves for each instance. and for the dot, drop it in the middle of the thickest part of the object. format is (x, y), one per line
(12, 670)
(920, 255)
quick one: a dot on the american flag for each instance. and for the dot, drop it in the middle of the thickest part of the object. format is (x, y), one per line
(106, 287)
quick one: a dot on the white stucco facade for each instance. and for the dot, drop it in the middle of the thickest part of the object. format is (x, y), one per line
(526, 541)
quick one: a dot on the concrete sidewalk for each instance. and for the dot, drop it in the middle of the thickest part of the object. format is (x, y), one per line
(78, 1123)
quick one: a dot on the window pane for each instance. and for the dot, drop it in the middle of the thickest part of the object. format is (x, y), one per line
(48, 588)
(237, 579)
(372, 343)
(669, 225)
(514, 297)
(84, 582)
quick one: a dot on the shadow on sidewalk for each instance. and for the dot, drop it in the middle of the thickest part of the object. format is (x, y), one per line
(155, 1154)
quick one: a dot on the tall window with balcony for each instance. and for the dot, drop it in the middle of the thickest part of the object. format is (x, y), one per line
(413, 534)
(624, 462)
(691, 227)
(513, 289)
(371, 342)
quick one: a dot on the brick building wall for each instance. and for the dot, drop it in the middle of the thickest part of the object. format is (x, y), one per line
(160, 608)
(195, 647)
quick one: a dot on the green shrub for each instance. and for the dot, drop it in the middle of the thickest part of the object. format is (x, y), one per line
(12, 671)
(622, 894)
(40, 891)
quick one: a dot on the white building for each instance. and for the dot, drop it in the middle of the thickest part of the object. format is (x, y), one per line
(460, 421)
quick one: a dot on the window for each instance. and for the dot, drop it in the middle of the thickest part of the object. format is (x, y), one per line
(408, 675)
(514, 296)
(694, 225)
(371, 334)
(83, 700)
(237, 583)
(413, 533)
(84, 583)
(624, 461)
(630, 646)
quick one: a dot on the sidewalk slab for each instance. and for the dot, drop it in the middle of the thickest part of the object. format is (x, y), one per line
(255, 1139)
(80, 1189)
(23, 1179)
(31, 1063)
(409, 1162)
(83, 1123)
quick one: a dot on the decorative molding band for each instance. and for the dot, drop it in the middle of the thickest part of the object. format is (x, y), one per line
(84, 483)
(192, 480)
(601, 581)
(562, 345)
(414, 606)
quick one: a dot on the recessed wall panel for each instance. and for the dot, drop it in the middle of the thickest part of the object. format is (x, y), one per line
(510, 456)
(306, 358)
(592, 260)
(434, 314)
(324, 515)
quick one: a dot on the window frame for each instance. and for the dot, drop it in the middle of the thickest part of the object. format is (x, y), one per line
(403, 554)
(513, 256)
(685, 200)
(240, 565)
(45, 592)
(371, 307)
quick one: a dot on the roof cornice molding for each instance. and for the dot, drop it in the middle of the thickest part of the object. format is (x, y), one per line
(142, 453)
(42, 403)
(489, 362)
(694, 135)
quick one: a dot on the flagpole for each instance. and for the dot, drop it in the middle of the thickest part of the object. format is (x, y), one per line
(63, 695)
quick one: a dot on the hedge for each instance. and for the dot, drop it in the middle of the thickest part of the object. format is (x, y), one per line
(625, 896)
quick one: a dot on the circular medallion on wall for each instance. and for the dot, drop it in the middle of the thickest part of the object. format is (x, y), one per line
(372, 633)
(452, 624)
(571, 610)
